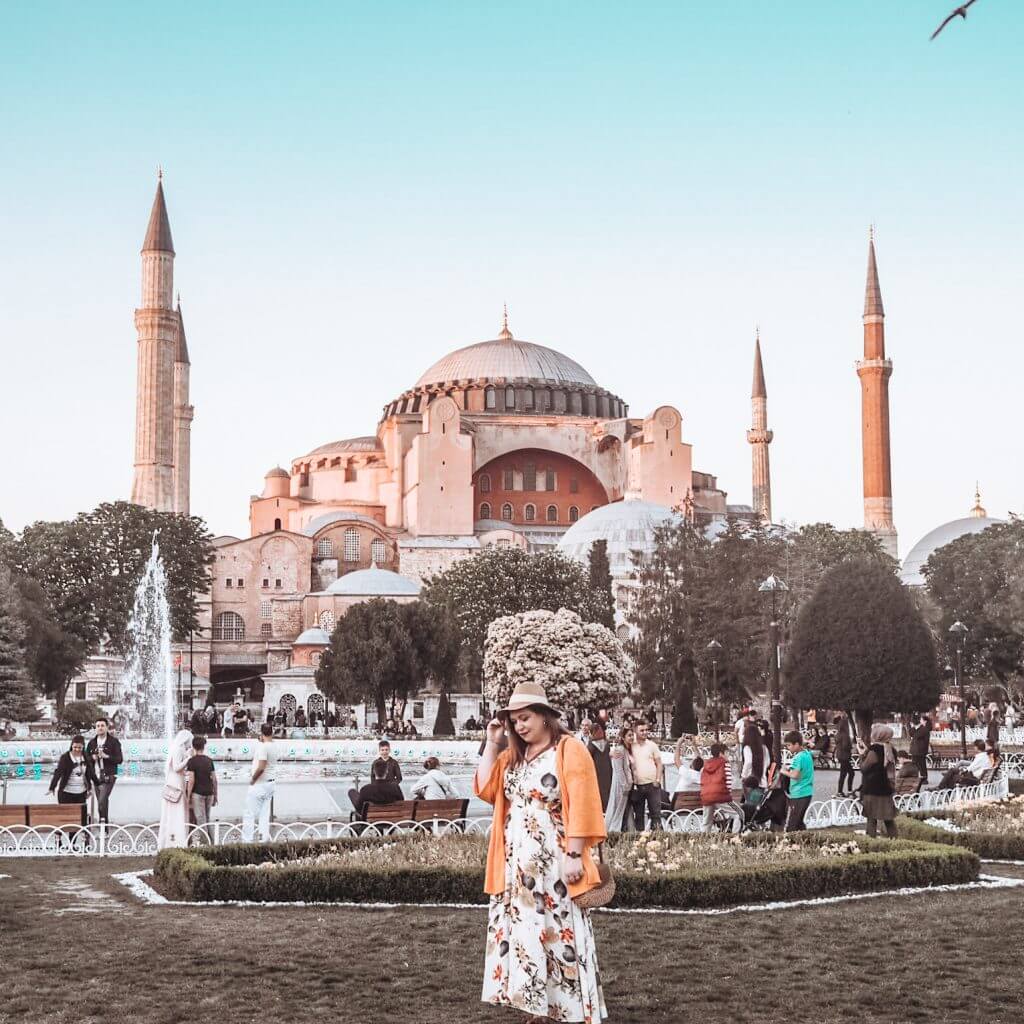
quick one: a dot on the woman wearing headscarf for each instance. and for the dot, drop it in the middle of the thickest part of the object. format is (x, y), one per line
(541, 957)
(878, 782)
(755, 763)
(173, 810)
(618, 815)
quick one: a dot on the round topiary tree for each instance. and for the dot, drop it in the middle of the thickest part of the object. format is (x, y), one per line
(579, 664)
(860, 643)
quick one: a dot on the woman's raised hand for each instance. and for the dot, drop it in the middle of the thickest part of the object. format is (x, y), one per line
(495, 728)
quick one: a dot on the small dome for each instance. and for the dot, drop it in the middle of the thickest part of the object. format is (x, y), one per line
(910, 572)
(374, 582)
(509, 359)
(627, 526)
(278, 473)
(314, 636)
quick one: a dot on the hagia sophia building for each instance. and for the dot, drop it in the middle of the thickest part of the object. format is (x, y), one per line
(503, 442)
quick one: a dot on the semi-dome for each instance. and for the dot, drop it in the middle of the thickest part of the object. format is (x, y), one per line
(314, 636)
(374, 582)
(627, 526)
(507, 359)
(910, 572)
(349, 444)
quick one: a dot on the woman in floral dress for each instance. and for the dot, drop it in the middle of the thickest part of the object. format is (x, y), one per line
(541, 957)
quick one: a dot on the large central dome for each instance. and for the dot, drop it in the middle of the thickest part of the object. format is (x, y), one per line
(506, 358)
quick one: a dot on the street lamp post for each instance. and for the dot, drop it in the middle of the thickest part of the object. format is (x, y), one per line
(715, 650)
(775, 586)
(958, 631)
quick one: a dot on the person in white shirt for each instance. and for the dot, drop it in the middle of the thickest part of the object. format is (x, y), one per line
(981, 762)
(648, 777)
(434, 784)
(261, 786)
(688, 780)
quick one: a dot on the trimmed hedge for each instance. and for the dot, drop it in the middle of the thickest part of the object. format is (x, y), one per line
(987, 845)
(216, 873)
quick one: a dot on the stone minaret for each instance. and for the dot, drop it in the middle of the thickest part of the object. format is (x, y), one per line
(183, 413)
(759, 437)
(157, 325)
(874, 371)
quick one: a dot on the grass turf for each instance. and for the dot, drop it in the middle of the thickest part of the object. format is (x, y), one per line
(75, 948)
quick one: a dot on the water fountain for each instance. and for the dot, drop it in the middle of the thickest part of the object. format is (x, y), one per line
(147, 685)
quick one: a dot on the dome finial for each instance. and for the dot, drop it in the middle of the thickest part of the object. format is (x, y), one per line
(506, 334)
(978, 512)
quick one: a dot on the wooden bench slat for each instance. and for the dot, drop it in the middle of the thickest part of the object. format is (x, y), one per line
(446, 810)
(55, 815)
(399, 811)
(13, 814)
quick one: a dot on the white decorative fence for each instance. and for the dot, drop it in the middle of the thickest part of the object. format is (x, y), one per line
(141, 840)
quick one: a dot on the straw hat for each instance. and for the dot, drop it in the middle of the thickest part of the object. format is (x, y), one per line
(527, 695)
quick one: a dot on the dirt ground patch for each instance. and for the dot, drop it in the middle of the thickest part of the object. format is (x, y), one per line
(76, 947)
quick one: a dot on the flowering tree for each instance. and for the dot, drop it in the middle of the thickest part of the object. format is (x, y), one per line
(579, 664)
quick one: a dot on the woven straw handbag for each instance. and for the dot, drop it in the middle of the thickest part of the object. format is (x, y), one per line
(601, 895)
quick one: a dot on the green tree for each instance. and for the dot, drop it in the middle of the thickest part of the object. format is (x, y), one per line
(17, 701)
(434, 636)
(372, 658)
(79, 715)
(499, 582)
(89, 567)
(600, 572)
(979, 579)
(52, 654)
(860, 642)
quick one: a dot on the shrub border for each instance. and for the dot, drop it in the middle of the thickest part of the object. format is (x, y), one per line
(208, 874)
(987, 845)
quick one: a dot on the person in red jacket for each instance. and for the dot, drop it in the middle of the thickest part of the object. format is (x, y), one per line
(715, 784)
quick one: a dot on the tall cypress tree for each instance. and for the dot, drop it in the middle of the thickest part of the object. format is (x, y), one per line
(17, 700)
(601, 583)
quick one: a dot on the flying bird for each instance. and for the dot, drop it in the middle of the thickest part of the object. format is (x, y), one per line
(961, 12)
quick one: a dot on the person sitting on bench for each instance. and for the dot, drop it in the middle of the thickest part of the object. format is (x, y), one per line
(969, 776)
(908, 768)
(379, 790)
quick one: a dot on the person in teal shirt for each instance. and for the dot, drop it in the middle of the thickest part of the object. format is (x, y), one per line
(801, 781)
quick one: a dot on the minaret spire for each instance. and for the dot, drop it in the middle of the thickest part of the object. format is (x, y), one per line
(759, 437)
(158, 327)
(874, 371)
(183, 414)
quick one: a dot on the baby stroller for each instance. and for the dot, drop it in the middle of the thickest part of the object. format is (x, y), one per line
(768, 814)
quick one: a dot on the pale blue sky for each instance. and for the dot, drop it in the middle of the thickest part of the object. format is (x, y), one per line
(355, 189)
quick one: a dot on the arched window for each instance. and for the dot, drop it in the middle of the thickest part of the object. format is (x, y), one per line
(277, 524)
(485, 510)
(326, 621)
(527, 398)
(622, 631)
(530, 513)
(485, 483)
(378, 551)
(325, 548)
(510, 397)
(489, 402)
(575, 402)
(506, 512)
(351, 544)
(552, 514)
(229, 626)
(574, 514)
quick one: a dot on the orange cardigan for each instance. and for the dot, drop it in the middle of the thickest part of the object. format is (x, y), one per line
(581, 812)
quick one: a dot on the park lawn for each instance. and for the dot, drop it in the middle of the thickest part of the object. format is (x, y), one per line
(76, 948)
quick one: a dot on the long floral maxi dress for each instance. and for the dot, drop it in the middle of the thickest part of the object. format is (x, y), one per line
(541, 957)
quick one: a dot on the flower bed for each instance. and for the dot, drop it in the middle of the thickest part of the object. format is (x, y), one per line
(993, 829)
(664, 870)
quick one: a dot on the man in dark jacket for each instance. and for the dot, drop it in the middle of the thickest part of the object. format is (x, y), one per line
(379, 790)
(920, 741)
(104, 754)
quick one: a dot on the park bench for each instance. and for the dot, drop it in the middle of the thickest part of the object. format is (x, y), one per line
(944, 755)
(691, 801)
(908, 785)
(48, 815)
(412, 810)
